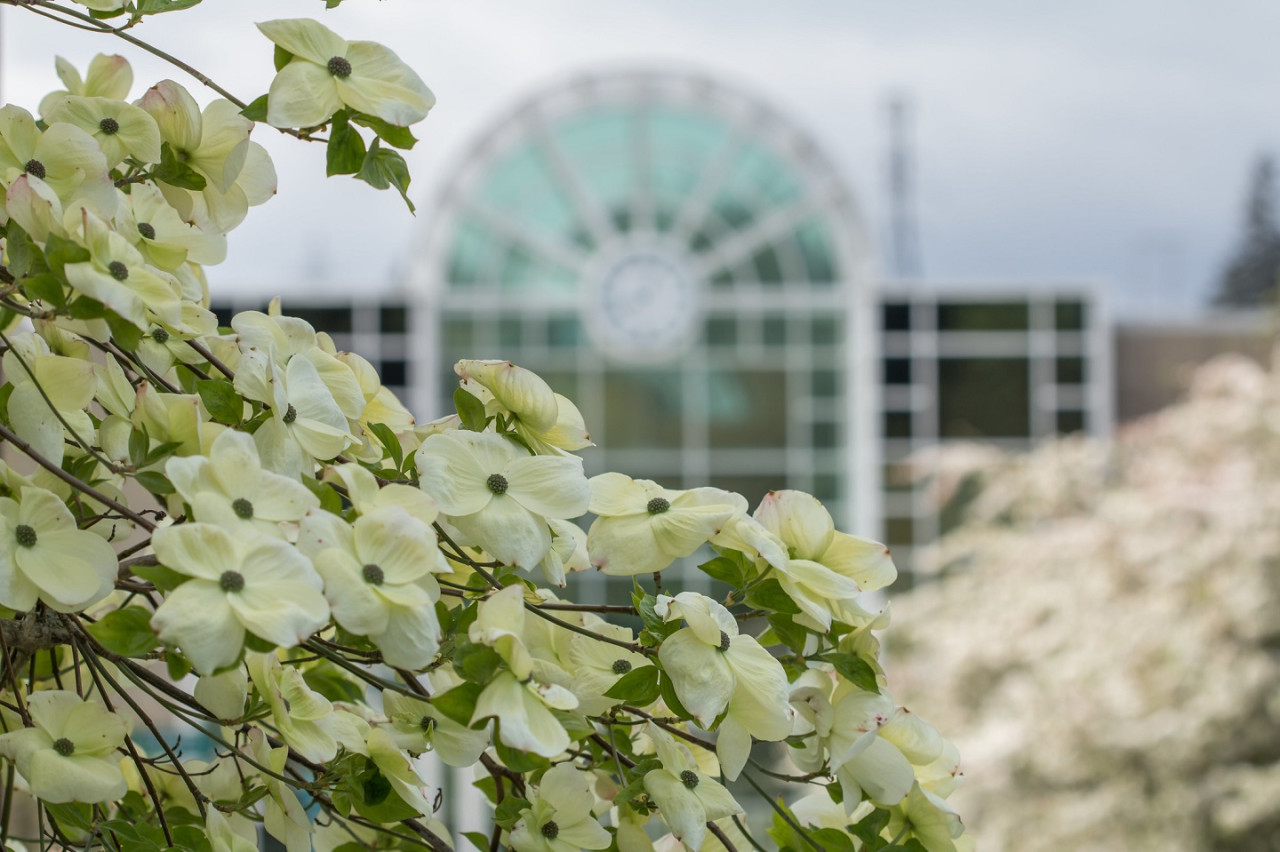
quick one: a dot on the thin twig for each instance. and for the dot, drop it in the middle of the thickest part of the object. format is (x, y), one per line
(75, 483)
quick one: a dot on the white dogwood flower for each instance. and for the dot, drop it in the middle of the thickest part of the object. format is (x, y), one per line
(70, 754)
(497, 495)
(642, 527)
(327, 72)
(261, 585)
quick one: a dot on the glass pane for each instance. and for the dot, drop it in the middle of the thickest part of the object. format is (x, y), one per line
(722, 331)
(333, 320)
(1070, 371)
(642, 409)
(1071, 421)
(510, 333)
(522, 188)
(983, 398)
(747, 408)
(459, 336)
(897, 424)
(564, 331)
(826, 436)
(897, 371)
(775, 331)
(824, 330)
(826, 383)
(983, 316)
(815, 245)
(393, 319)
(896, 316)
(599, 146)
(471, 255)
(1068, 316)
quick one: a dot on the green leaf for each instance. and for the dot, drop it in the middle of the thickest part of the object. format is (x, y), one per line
(175, 172)
(281, 57)
(725, 570)
(256, 110)
(48, 288)
(345, 153)
(59, 251)
(868, 828)
(855, 670)
(257, 644)
(768, 595)
(833, 840)
(669, 697)
(508, 811)
(176, 664)
(477, 838)
(374, 797)
(638, 687)
(163, 578)
(126, 632)
(476, 663)
(220, 397)
(71, 815)
(156, 7)
(24, 256)
(139, 443)
(383, 168)
(393, 135)
(389, 441)
(330, 683)
(154, 481)
(330, 500)
(84, 307)
(6, 391)
(470, 410)
(576, 726)
(126, 334)
(517, 760)
(458, 703)
(788, 632)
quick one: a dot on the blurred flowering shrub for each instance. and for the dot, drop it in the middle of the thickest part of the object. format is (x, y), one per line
(1107, 634)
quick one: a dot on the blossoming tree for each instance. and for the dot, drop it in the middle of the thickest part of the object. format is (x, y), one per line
(236, 535)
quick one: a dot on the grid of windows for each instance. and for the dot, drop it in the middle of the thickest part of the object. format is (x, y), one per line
(1008, 370)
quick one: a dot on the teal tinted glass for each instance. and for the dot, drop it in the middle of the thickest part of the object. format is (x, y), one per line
(599, 146)
(522, 186)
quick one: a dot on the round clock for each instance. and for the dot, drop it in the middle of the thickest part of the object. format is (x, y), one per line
(644, 306)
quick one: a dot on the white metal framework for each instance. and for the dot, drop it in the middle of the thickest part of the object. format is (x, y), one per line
(681, 261)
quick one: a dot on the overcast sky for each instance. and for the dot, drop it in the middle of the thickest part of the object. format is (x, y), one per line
(1097, 140)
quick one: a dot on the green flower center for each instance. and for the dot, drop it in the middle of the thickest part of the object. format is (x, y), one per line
(118, 270)
(689, 778)
(25, 535)
(724, 641)
(658, 505)
(427, 723)
(231, 581)
(372, 574)
(497, 483)
(35, 168)
(146, 229)
(621, 666)
(64, 746)
(290, 414)
(339, 67)
(550, 830)
(159, 335)
(109, 126)
(243, 508)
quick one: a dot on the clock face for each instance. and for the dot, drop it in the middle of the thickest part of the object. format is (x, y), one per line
(644, 306)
